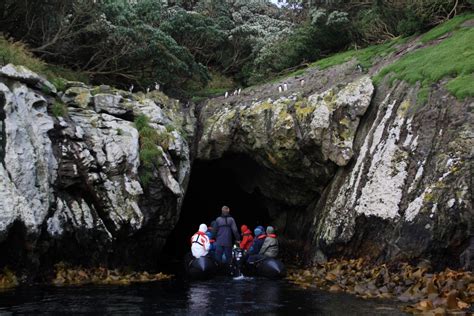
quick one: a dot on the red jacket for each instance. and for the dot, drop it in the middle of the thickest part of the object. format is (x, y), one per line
(247, 238)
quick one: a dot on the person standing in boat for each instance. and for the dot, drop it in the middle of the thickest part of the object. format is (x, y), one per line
(225, 229)
(200, 242)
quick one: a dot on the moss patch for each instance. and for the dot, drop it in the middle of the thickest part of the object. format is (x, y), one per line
(59, 109)
(150, 148)
(453, 57)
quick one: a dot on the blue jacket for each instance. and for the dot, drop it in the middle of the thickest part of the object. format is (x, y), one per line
(212, 245)
(257, 244)
(225, 228)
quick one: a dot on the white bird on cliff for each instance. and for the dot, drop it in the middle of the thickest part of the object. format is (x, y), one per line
(147, 89)
(131, 88)
(157, 86)
(280, 89)
(302, 82)
(285, 87)
(235, 92)
(240, 90)
(226, 94)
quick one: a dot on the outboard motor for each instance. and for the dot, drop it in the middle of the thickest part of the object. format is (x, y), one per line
(237, 262)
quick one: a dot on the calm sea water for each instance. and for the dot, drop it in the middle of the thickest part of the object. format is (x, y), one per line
(219, 296)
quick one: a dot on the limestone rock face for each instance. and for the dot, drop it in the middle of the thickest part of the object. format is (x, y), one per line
(407, 194)
(298, 139)
(28, 166)
(74, 181)
(347, 169)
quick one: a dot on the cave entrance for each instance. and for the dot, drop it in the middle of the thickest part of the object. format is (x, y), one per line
(213, 184)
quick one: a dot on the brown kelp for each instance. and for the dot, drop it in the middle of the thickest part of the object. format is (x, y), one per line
(428, 293)
(66, 275)
(8, 279)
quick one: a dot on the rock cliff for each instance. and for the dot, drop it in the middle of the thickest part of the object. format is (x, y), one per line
(98, 175)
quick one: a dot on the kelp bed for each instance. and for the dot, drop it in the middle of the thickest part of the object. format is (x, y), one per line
(8, 279)
(65, 275)
(80, 276)
(441, 293)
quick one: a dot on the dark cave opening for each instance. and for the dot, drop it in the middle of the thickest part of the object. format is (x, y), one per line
(214, 184)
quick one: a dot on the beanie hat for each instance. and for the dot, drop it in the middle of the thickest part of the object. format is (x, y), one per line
(203, 228)
(270, 230)
(243, 228)
(257, 231)
(261, 228)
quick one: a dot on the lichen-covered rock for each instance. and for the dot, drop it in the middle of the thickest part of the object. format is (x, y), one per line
(407, 193)
(294, 137)
(77, 96)
(74, 181)
(28, 165)
(23, 74)
(348, 169)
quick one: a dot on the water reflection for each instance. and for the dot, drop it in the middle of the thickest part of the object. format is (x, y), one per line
(179, 297)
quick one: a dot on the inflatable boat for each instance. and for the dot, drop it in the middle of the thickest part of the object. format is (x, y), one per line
(270, 268)
(201, 268)
(266, 267)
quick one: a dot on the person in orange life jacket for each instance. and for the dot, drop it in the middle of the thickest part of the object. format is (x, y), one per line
(247, 238)
(200, 242)
(270, 245)
(225, 228)
(258, 241)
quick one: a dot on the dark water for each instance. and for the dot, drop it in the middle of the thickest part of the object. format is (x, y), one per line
(178, 297)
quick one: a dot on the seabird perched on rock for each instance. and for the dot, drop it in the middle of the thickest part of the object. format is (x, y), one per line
(147, 89)
(285, 87)
(280, 89)
(235, 92)
(359, 68)
(226, 94)
(238, 92)
(302, 82)
(157, 86)
(131, 88)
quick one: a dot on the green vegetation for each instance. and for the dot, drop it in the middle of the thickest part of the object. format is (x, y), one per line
(452, 58)
(17, 53)
(202, 48)
(151, 152)
(446, 27)
(365, 57)
(59, 109)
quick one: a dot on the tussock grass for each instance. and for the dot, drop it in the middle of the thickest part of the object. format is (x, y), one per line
(365, 57)
(17, 53)
(452, 58)
(446, 27)
(59, 109)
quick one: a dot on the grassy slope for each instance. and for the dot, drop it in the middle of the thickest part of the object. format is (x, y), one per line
(452, 58)
(16, 53)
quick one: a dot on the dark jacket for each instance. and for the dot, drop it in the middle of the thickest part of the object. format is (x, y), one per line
(257, 244)
(225, 228)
